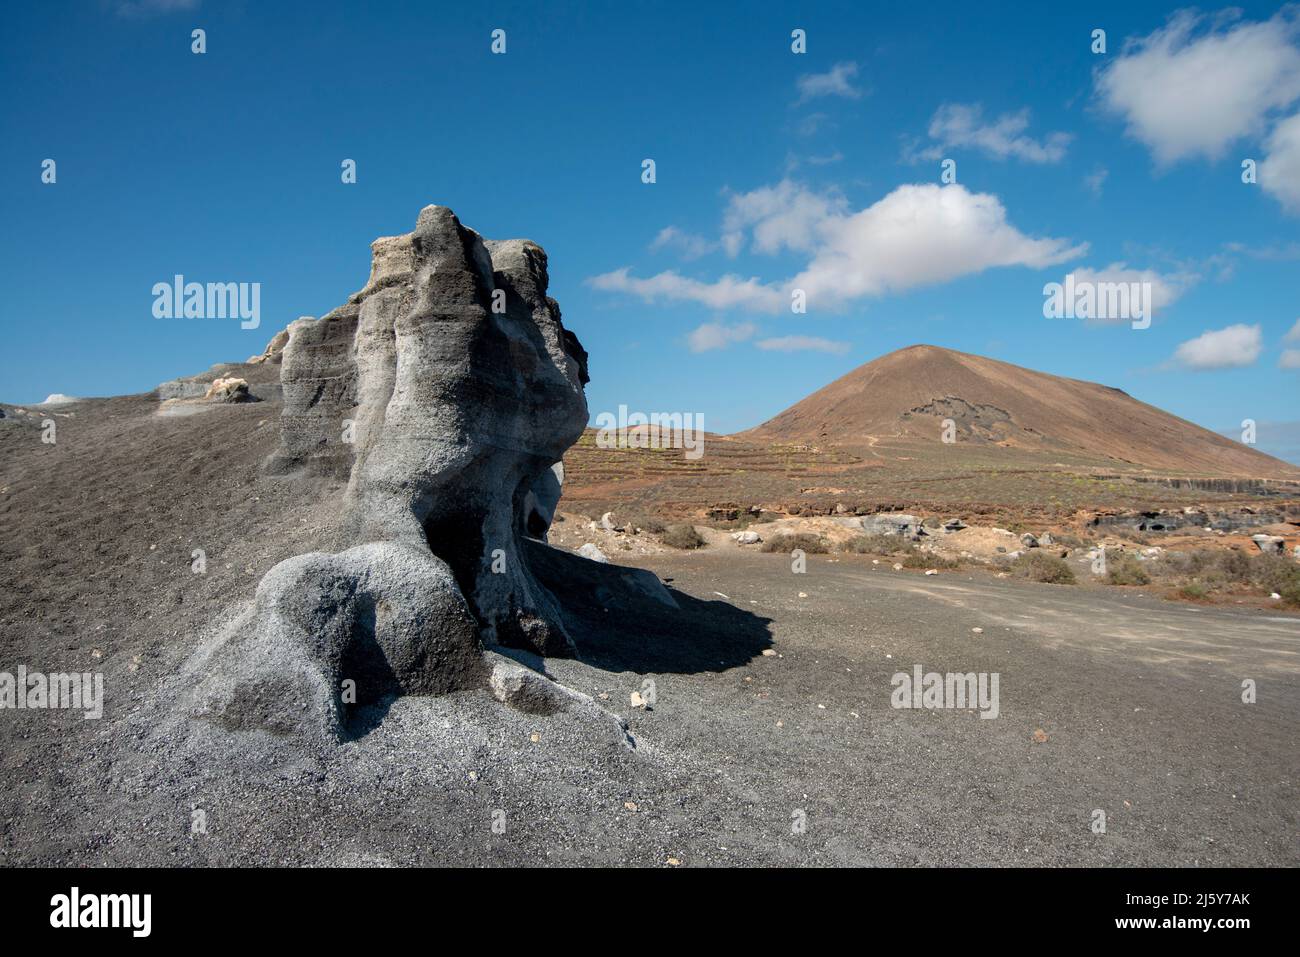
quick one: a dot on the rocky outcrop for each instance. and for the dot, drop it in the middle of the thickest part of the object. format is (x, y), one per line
(445, 392)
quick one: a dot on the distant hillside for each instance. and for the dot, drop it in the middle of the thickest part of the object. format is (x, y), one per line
(903, 399)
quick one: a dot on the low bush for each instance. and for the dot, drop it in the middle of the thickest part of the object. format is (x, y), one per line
(785, 542)
(920, 559)
(874, 544)
(1126, 570)
(1040, 567)
(681, 536)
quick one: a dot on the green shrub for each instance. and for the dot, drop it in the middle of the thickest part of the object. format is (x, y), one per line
(681, 536)
(785, 542)
(1194, 591)
(1041, 567)
(1127, 570)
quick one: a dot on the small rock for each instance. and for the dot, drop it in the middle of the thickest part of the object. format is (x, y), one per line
(590, 550)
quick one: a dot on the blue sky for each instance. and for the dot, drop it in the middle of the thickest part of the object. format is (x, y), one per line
(776, 169)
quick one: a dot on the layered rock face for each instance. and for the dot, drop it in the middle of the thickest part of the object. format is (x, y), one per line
(444, 391)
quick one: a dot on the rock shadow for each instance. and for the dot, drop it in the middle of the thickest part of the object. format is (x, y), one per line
(618, 624)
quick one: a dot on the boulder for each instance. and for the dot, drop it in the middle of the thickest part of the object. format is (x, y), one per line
(229, 389)
(1270, 544)
(593, 552)
(746, 538)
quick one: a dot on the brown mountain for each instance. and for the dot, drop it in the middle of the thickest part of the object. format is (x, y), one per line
(899, 403)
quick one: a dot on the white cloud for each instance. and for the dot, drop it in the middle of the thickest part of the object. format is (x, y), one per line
(916, 235)
(802, 344)
(1186, 92)
(1096, 180)
(835, 82)
(1290, 359)
(1165, 287)
(784, 216)
(958, 125)
(688, 245)
(1294, 334)
(1230, 348)
(715, 335)
(729, 292)
(1279, 170)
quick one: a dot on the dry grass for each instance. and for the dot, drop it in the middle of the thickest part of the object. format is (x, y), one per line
(805, 542)
(1040, 567)
(682, 536)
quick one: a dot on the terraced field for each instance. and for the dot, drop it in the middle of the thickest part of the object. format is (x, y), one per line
(986, 482)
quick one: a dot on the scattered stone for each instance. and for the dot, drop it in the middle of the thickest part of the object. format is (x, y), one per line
(932, 571)
(769, 653)
(746, 538)
(954, 525)
(229, 390)
(608, 524)
(1028, 540)
(978, 631)
(590, 550)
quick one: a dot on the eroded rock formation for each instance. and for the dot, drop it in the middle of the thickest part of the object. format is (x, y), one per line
(444, 392)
